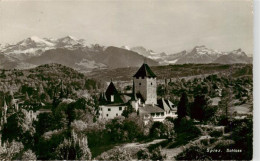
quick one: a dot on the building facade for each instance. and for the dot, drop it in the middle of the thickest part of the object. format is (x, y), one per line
(143, 99)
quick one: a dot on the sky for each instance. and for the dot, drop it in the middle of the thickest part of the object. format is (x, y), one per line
(160, 25)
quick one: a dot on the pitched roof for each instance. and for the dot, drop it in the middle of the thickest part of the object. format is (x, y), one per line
(111, 90)
(162, 104)
(144, 71)
(165, 104)
(150, 109)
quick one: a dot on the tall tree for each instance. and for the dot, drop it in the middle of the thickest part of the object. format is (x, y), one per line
(182, 106)
(198, 107)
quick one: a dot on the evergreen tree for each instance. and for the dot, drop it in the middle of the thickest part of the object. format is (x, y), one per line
(182, 106)
(200, 108)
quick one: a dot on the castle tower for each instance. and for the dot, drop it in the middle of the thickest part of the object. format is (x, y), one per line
(145, 84)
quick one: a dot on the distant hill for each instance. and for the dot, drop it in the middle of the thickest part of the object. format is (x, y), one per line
(174, 71)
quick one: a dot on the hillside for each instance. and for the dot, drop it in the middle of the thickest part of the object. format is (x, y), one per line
(173, 71)
(44, 79)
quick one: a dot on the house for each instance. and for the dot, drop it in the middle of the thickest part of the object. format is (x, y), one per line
(112, 103)
(143, 99)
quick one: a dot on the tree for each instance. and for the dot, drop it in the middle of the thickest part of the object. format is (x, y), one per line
(116, 154)
(128, 110)
(169, 128)
(199, 108)
(226, 101)
(28, 155)
(182, 106)
(11, 150)
(74, 148)
(19, 127)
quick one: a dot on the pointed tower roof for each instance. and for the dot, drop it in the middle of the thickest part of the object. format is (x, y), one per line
(102, 98)
(144, 71)
(111, 90)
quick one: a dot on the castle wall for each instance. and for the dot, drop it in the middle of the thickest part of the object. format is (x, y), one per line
(140, 86)
(147, 87)
(110, 112)
(151, 91)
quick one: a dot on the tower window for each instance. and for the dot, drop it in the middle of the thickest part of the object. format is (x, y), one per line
(107, 115)
(109, 109)
(120, 108)
(151, 83)
(116, 114)
(139, 83)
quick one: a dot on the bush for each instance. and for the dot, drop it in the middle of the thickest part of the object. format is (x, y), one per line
(186, 131)
(11, 151)
(143, 154)
(28, 155)
(74, 148)
(215, 133)
(116, 154)
(151, 154)
(157, 154)
(193, 153)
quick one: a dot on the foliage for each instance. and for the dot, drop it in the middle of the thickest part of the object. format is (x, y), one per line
(78, 126)
(215, 133)
(163, 129)
(182, 106)
(44, 123)
(143, 154)
(73, 148)
(29, 155)
(123, 130)
(193, 153)
(156, 154)
(128, 110)
(19, 127)
(150, 154)
(116, 154)
(185, 132)
(200, 109)
(240, 141)
(48, 142)
(11, 150)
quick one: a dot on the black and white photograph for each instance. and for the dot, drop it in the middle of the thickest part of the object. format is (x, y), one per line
(126, 79)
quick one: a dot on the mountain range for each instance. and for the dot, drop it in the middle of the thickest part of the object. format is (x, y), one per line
(84, 57)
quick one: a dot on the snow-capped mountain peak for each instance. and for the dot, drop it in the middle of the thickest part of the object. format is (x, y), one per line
(202, 50)
(126, 47)
(238, 52)
(35, 41)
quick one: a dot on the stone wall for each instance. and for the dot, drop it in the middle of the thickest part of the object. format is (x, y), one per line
(147, 87)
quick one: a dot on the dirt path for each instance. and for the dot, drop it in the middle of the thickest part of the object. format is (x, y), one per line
(129, 145)
(171, 153)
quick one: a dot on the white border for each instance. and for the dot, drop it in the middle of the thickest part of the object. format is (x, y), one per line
(256, 87)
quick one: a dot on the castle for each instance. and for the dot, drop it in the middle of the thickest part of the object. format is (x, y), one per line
(143, 99)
